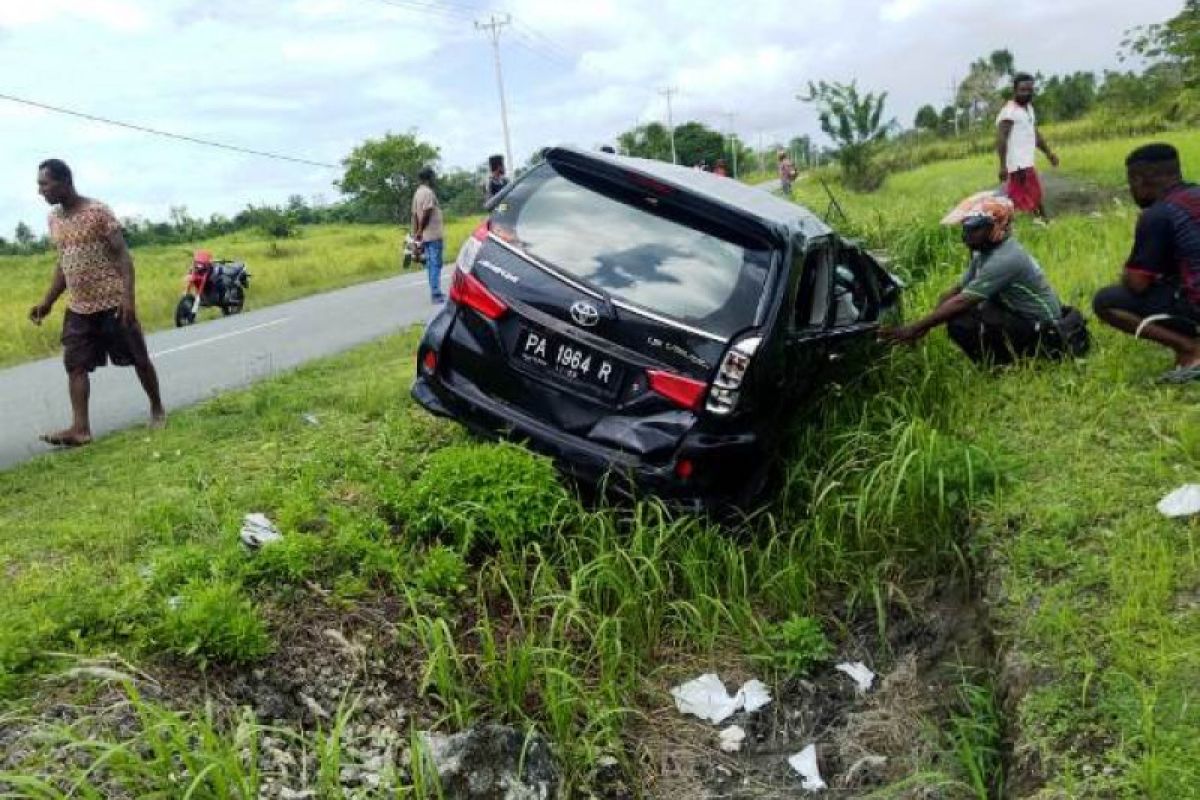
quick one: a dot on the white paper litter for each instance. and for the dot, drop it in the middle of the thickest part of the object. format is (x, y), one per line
(755, 695)
(862, 676)
(1183, 502)
(730, 739)
(257, 530)
(707, 698)
(805, 762)
(311, 419)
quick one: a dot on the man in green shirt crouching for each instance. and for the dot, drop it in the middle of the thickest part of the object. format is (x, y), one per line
(1003, 308)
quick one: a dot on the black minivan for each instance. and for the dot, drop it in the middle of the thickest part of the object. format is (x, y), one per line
(635, 318)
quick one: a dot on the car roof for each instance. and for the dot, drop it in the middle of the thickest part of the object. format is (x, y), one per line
(764, 205)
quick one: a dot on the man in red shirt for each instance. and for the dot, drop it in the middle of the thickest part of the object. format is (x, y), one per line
(100, 325)
(1158, 297)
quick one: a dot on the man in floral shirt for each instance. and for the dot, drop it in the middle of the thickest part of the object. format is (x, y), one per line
(100, 325)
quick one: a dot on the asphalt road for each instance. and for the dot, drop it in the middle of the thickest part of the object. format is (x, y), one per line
(208, 358)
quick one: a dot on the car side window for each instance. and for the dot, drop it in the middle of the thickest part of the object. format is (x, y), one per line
(815, 287)
(855, 294)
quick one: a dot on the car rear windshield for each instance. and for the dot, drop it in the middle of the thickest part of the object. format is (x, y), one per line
(650, 255)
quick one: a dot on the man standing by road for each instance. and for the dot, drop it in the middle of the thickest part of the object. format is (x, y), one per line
(427, 230)
(1158, 297)
(497, 177)
(1017, 143)
(95, 269)
(787, 174)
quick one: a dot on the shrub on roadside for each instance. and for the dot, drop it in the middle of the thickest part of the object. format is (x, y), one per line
(212, 622)
(495, 494)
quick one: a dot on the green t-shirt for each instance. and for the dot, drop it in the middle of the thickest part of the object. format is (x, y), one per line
(1010, 277)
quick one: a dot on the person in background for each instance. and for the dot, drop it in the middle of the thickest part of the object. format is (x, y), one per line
(1158, 297)
(720, 169)
(100, 325)
(1017, 142)
(787, 174)
(1003, 308)
(497, 177)
(427, 230)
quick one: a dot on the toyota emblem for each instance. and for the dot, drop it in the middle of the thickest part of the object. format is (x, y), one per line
(585, 314)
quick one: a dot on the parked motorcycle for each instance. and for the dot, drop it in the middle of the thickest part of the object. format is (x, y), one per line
(212, 283)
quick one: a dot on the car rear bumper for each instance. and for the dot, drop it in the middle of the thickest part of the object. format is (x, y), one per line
(720, 463)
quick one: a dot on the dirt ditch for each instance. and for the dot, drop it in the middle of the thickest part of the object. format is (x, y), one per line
(329, 658)
(889, 735)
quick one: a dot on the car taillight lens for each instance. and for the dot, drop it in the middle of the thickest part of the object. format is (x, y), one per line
(471, 247)
(682, 391)
(469, 291)
(727, 386)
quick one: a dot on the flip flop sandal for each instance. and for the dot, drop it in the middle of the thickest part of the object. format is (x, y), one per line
(63, 441)
(1181, 376)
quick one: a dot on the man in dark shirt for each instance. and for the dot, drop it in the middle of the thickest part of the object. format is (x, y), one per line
(1158, 297)
(497, 178)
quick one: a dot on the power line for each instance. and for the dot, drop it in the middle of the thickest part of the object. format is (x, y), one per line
(165, 134)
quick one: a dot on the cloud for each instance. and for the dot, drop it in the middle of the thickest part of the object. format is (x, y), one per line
(314, 78)
(115, 15)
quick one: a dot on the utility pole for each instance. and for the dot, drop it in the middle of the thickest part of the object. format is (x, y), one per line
(954, 103)
(668, 92)
(730, 117)
(493, 26)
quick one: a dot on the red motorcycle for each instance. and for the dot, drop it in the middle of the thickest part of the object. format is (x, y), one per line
(221, 284)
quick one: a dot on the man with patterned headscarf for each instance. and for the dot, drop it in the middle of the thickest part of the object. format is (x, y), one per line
(1003, 307)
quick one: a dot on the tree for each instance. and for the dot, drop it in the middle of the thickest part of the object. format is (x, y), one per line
(696, 143)
(855, 123)
(381, 174)
(652, 140)
(981, 92)
(927, 119)
(1176, 41)
(24, 236)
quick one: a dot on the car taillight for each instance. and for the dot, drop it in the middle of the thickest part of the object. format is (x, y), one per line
(682, 391)
(727, 386)
(469, 291)
(471, 247)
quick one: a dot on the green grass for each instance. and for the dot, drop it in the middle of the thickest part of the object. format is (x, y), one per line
(523, 606)
(321, 258)
(520, 605)
(1092, 585)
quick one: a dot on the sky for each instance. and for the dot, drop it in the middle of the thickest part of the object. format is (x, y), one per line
(311, 79)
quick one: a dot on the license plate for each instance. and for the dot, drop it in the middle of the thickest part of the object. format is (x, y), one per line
(567, 359)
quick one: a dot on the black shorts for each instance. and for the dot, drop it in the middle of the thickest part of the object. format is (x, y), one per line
(93, 340)
(1160, 300)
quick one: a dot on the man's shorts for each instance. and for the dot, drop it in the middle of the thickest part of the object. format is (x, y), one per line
(93, 340)
(1024, 188)
(1160, 300)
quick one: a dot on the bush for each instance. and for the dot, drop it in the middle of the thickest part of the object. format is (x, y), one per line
(793, 646)
(443, 572)
(498, 494)
(213, 622)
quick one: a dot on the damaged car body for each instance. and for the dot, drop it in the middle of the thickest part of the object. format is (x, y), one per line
(639, 319)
